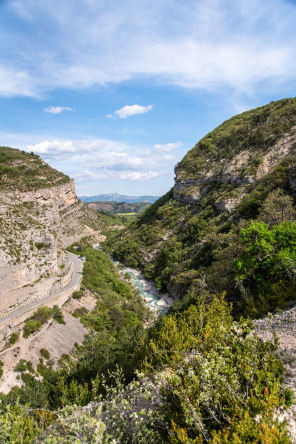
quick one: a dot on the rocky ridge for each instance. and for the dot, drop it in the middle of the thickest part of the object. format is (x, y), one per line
(35, 227)
(238, 172)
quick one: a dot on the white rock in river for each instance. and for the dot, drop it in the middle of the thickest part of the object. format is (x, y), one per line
(161, 303)
(148, 299)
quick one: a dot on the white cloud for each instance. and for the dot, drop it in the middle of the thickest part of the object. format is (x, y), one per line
(103, 159)
(206, 45)
(129, 110)
(57, 109)
(14, 82)
(87, 175)
(168, 146)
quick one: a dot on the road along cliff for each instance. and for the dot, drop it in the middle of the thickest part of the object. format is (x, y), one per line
(40, 215)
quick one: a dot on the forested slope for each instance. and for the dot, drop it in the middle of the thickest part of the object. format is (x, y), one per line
(228, 223)
(223, 243)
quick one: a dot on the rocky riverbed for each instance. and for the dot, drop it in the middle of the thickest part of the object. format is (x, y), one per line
(149, 292)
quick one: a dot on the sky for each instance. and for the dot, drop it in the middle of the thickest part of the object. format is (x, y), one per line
(114, 93)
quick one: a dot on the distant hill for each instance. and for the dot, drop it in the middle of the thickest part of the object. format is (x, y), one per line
(119, 208)
(115, 197)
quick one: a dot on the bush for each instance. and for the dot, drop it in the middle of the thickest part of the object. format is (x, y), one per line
(44, 353)
(77, 294)
(266, 269)
(58, 315)
(31, 327)
(39, 318)
(220, 382)
(13, 338)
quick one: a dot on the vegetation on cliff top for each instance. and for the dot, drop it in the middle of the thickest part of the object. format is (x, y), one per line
(256, 130)
(26, 171)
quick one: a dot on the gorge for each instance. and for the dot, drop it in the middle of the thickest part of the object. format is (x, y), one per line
(221, 243)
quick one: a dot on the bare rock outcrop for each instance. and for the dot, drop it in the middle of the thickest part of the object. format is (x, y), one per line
(283, 325)
(35, 227)
(243, 169)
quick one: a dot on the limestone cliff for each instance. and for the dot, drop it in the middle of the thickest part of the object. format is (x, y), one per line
(238, 153)
(35, 226)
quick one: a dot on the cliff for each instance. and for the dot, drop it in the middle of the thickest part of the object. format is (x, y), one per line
(39, 217)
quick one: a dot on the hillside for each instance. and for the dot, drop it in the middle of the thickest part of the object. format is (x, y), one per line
(119, 208)
(189, 239)
(115, 197)
(24, 172)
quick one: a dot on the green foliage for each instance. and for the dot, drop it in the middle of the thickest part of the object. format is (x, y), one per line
(44, 353)
(134, 413)
(41, 245)
(79, 312)
(31, 327)
(36, 321)
(267, 252)
(78, 294)
(1, 368)
(20, 424)
(266, 268)
(24, 171)
(13, 338)
(74, 425)
(218, 379)
(57, 315)
(23, 366)
(277, 208)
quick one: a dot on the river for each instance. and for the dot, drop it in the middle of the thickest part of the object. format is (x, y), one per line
(153, 299)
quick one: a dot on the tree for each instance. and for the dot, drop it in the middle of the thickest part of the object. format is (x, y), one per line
(277, 208)
(266, 269)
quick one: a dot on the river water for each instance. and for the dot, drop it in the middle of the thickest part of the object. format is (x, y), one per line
(153, 299)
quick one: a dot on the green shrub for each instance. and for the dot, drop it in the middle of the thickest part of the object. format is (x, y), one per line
(31, 327)
(44, 353)
(79, 312)
(58, 315)
(13, 338)
(39, 318)
(78, 294)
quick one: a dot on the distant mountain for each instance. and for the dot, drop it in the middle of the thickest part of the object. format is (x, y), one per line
(115, 197)
(120, 208)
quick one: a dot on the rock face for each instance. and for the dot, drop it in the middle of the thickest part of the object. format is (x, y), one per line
(242, 169)
(283, 325)
(35, 226)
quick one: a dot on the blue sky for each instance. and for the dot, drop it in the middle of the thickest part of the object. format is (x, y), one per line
(114, 93)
